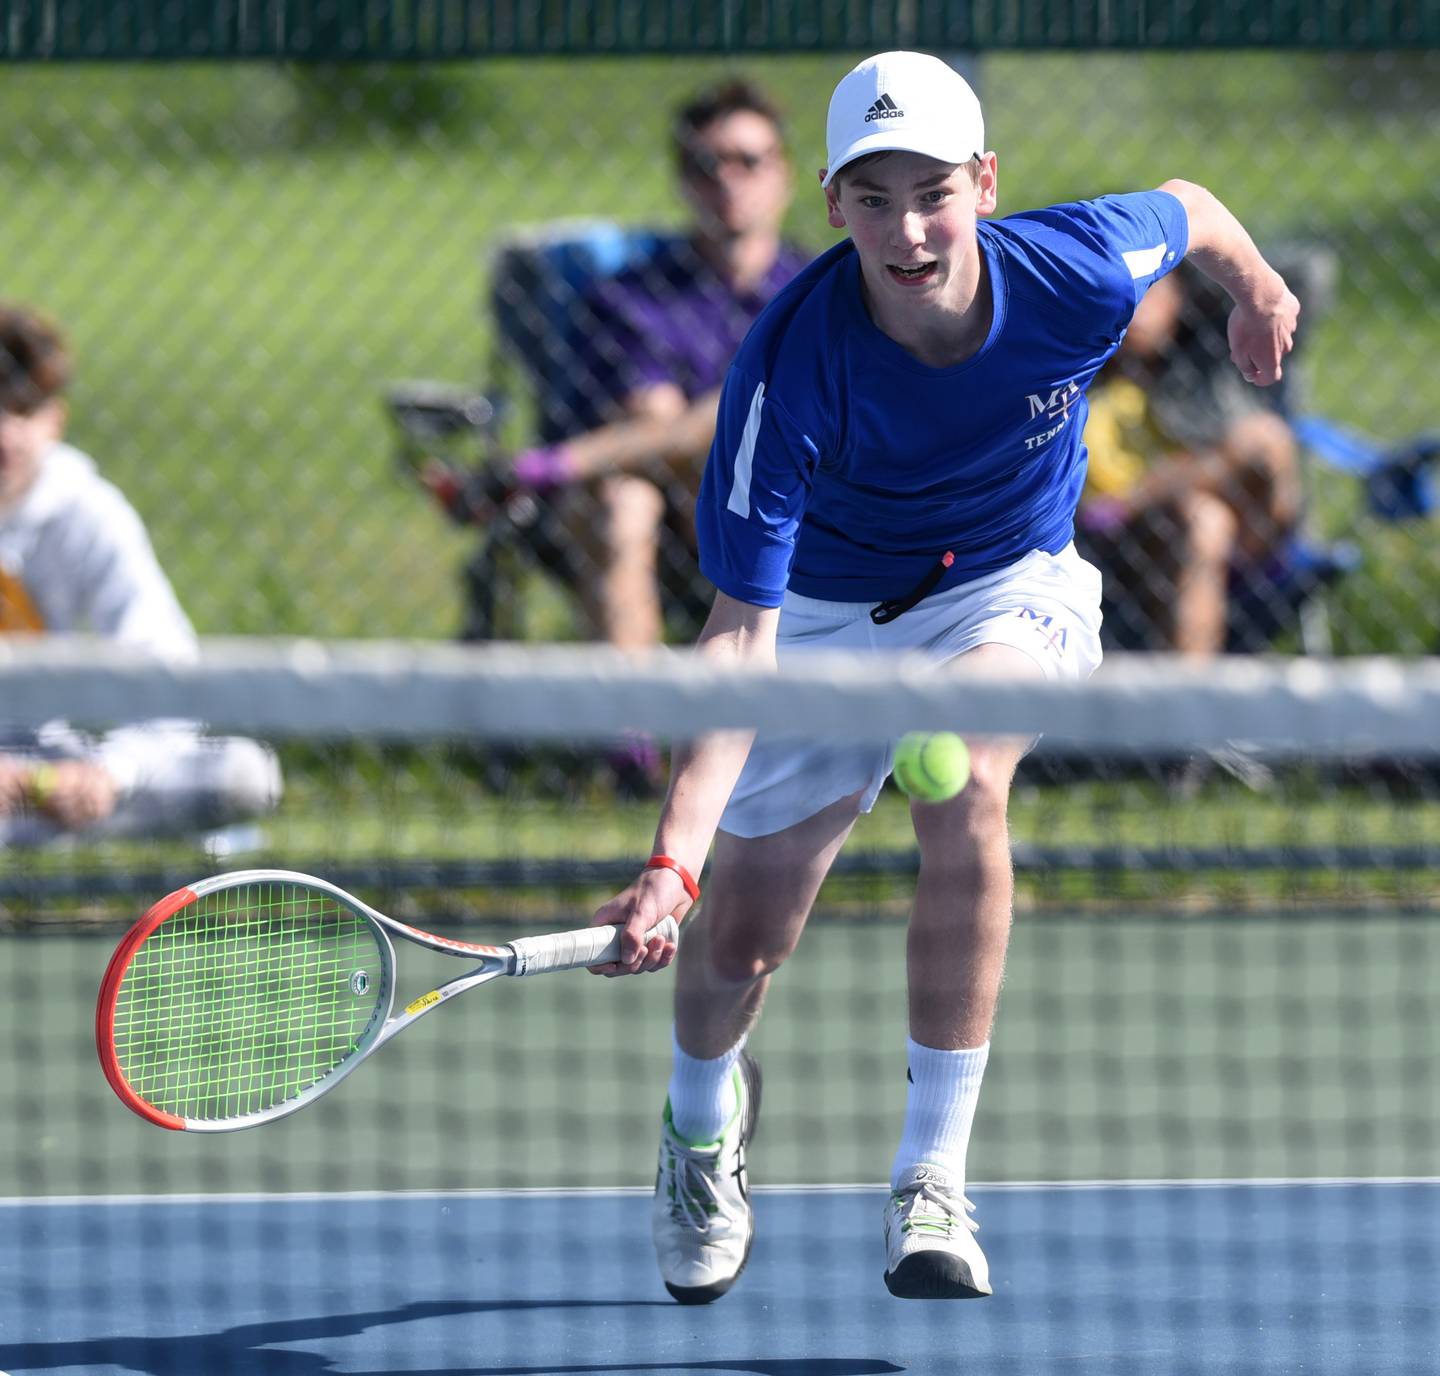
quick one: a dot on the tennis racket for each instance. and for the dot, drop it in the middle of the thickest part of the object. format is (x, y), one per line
(242, 998)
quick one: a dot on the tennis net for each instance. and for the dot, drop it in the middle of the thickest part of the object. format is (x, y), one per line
(1206, 1138)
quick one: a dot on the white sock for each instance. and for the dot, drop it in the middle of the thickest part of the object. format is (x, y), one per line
(940, 1108)
(702, 1093)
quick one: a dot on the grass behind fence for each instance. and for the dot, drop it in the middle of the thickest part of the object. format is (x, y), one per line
(245, 254)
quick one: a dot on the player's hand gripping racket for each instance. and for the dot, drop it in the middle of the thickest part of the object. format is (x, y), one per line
(242, 998)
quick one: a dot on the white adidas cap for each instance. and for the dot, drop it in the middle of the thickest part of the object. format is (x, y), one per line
(903, 102)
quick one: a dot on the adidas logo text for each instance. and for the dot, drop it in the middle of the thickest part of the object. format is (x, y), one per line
(884, 108)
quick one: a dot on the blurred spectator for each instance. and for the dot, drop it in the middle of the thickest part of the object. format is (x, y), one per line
(658, 339)
(1189, 485)
(75, 557)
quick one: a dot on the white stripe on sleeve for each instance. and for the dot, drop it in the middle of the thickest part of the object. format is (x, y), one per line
(1143, 261)
(739, 501)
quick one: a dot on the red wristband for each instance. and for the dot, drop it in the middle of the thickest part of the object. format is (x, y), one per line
(664, 862)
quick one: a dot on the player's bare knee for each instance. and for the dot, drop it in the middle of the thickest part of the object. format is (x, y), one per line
(740, 959)
(739, 946)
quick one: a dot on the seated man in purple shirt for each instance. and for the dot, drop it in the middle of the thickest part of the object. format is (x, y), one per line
(658, 339)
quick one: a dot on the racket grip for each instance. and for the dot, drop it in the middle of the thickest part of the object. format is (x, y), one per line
(539, 955)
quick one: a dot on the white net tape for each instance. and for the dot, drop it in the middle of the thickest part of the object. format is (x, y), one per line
(309, 689)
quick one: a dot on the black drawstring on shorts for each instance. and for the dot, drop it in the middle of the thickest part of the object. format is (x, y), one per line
(898, 606)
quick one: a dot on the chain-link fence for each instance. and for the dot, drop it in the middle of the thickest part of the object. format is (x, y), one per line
(247, 258)
(409, 30)
(329, 325)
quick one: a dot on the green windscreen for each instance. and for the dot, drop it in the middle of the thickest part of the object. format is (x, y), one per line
(245, 999)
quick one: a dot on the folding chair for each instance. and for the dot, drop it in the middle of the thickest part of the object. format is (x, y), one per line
(537, 299)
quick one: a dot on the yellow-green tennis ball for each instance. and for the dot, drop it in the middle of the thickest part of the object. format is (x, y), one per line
(932, 765)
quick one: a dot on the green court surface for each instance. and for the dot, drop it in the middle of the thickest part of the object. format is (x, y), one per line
(1134, 1047)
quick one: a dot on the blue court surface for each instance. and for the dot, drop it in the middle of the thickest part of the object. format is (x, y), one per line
(1262, 1277)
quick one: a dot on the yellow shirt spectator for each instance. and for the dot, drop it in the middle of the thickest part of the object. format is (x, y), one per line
(1122, 437)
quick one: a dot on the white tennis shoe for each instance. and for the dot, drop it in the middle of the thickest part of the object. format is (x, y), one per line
(702, 1220)
(930, 1247)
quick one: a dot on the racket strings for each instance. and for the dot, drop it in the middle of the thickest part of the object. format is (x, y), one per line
(245, 999)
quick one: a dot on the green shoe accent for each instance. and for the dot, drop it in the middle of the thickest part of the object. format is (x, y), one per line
(668, 1118)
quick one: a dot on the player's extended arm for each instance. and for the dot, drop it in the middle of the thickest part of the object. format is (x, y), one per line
(1262, 325)
(702, 775)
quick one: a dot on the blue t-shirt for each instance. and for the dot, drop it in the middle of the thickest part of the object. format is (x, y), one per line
(845, 468)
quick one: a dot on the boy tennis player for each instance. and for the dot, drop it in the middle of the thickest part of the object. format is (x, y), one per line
(896, 467)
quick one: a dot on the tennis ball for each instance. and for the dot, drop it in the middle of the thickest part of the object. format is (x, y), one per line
(932, 766)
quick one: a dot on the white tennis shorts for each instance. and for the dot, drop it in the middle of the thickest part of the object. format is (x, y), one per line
(1045, 605)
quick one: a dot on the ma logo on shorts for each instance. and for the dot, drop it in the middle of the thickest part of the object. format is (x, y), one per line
(1056, 637)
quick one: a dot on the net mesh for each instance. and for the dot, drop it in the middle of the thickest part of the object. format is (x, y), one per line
(245, 999)
(1213, 1067)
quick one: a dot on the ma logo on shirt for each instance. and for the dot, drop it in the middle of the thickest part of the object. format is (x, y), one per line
(1054, 407)
(1057, 405)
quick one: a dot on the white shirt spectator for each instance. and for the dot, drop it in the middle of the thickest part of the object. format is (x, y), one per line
(75, 556)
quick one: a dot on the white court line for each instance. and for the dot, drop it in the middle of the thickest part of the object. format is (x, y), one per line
(621, 1191)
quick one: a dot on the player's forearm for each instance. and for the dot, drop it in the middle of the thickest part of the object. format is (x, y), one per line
(703, 774)
(704, 771)
(1261, 328)
(1223, 250)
